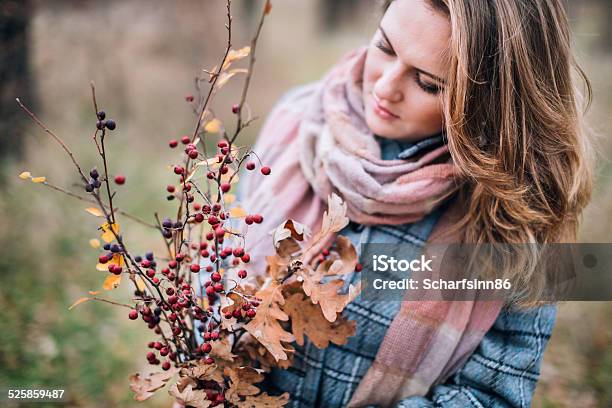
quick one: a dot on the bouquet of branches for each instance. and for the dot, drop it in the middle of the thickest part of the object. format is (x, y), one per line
(218, 330)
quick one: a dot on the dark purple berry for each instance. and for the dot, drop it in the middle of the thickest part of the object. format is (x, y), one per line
(94, 173)
(101, 115)
(110, 124)
(100, 124)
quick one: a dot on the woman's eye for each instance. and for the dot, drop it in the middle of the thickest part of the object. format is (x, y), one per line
(427, 87)
(381, 46)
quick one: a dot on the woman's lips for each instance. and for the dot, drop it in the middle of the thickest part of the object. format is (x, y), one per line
(382, 112)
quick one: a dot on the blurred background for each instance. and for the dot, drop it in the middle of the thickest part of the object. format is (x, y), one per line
(143, 56)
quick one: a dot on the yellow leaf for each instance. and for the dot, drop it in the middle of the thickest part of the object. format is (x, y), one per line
(94, 292)
(95, 243)
(237, 212)
(111, 282)
(94, 211)
(78, 302)
(25, 175)
(214, 126)
(107, 234)
(39, 179)
(140, 284)
(229, 198)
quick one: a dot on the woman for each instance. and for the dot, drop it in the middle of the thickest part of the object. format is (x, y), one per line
(462, 117)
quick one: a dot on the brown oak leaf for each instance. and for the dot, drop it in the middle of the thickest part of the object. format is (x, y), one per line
(264, 400)
(326, 294)
(190, 397)
(307, 318)
(145, 387)
(221, 349)
(265, 326)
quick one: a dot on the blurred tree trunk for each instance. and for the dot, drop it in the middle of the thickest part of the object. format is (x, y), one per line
(15, 78)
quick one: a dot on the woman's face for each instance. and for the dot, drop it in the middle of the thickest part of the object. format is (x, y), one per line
(405, 72)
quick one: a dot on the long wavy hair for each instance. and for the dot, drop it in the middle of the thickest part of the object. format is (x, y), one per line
(514, 106)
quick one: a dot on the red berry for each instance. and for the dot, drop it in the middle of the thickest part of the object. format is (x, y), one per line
(179, 170)
(257, 218)
(227, 315)
(209, 360)
(245, 258)
(172, 264)
(170, 188)
(219, 232)
(193, 154)
(206, 348)
(195, 268)
(165, 366)
(210, 291)
(235, 108)
(173, 143)
(225, 187)
(251, 313)
(250, 166)
(133, 314)
(150, 273)
(215, 277)
(119, 179)
(199, 217)
(103, 259)
(185, 140)
(248, 219)
(242, 274)
(238, 251)
(189, 98)
(170, 291)
(218, 287)
(214, 335)
(358, 267)
(266, 170)
(150, 356)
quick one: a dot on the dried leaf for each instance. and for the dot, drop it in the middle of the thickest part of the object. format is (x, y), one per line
(326, 294)
(265, 326)
(214, 126)
(307, 318)
(202, 371)
(145, 387)
(78, 302)
(94, 211)
(241, 383)
(235, 55)
(25, 175)
(226, 76)
(288, 236)
(221, 349)
(264, 400)
(190, 397)
(111, 282)
(343, 260)
(39, 179)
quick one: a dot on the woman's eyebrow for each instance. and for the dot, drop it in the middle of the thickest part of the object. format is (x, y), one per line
(417, 69)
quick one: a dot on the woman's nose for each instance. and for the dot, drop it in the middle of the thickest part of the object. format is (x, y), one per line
(388, 85)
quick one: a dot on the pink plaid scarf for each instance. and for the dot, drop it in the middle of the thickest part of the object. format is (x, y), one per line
(317, 142)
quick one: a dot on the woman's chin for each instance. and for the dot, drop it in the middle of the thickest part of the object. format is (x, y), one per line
(382, 128)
